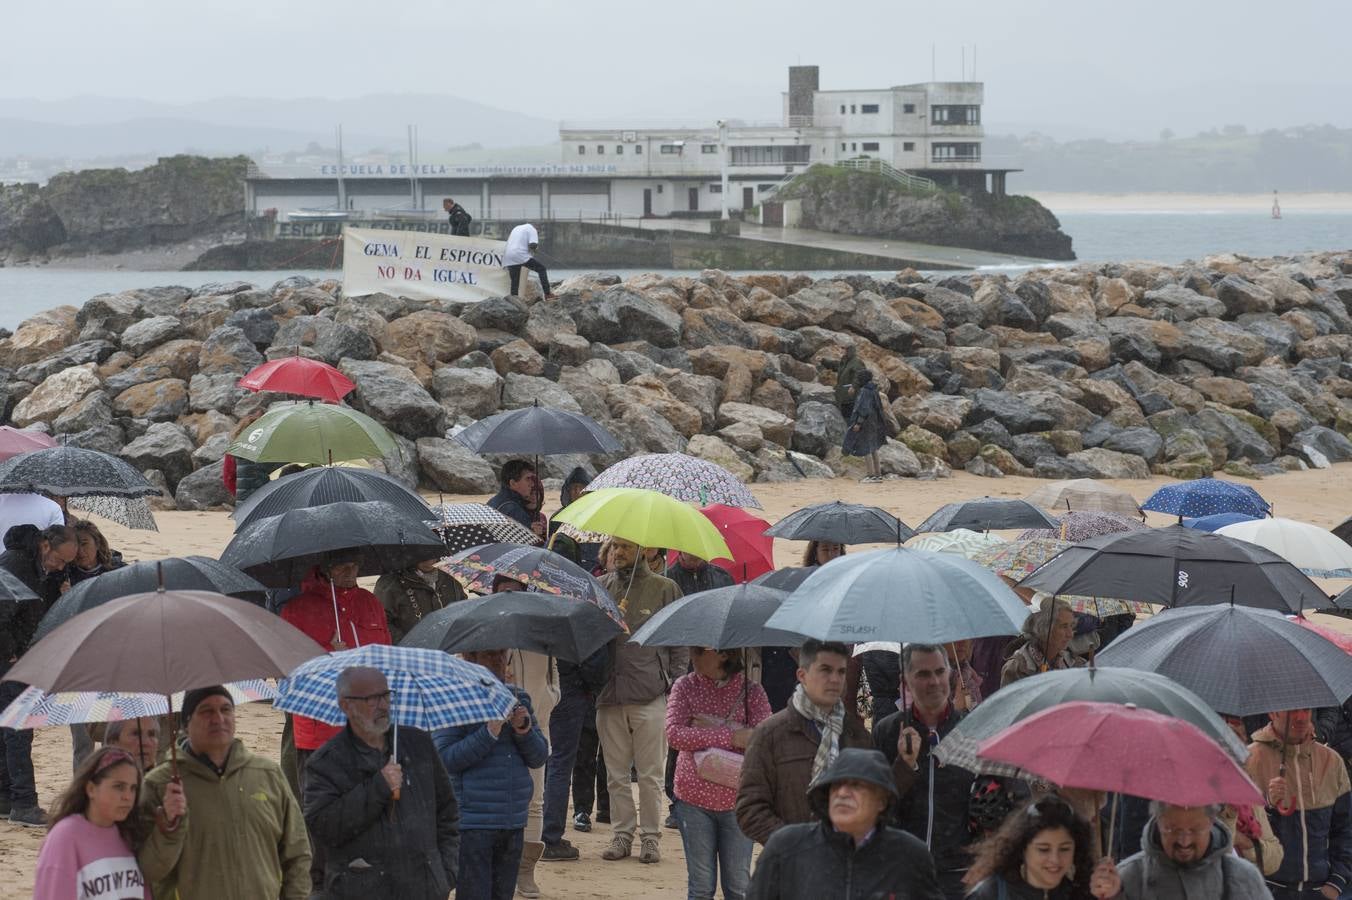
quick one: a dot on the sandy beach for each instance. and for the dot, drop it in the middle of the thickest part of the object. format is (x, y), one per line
(1320, 497)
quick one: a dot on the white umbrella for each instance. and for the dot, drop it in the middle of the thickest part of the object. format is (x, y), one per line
(1314, 551)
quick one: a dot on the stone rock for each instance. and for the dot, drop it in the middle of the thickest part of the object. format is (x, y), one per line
(39, 337)
(545, 322)
(258, 325)
(619, 314)
(1225, 391)
(164, 447)
(875, 319)
(1224, 346)
(1000, 458)
(202, 427)
(648, 391)
(203, 489)
(227, 350)
(955, 308)
(115, 312)
(895, 458)
(921, 440)
(715, 450)
(104, 438)
(773, 395)
(142, 336)
(50, 399)
(330, 341)
(502, 313)
(525, 390)
(776, 427)
(202, 315)
(94, 410)
(742, 435)
(215, 392)
(990, 431)
(454, 468)
(715, 327)
(1029, 448)
(819, 427)
(1064, 413)
(978, 466)
(1242, 296)
(1143, 442)
(960, 448)
(1111, 464)
(518, 356)
(430, 337)
(1320, 446)
(158, 401)
(937, 413)
(402, 464)
(698, 391)
(642, 430)
(75, 355)
(393, 397)
(1240, 438)
(476, 393)
(569, 350)
(211, 450)
(589, 393)
(1016, 415)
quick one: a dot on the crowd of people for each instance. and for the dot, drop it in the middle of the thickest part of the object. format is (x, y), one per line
(824, 758)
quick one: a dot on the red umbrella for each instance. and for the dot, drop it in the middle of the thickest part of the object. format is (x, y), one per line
(14, 441)
(1122, 749)
(752, 551)
(1342, 639)
(299, 375)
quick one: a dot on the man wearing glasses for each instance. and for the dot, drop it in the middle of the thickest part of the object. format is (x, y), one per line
(388, 827)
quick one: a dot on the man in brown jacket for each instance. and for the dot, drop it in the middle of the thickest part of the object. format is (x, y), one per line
(794, 745)
(631, 710)
(412, 593)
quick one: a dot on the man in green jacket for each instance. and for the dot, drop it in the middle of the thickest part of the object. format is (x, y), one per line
(243, 837)
(850, 366)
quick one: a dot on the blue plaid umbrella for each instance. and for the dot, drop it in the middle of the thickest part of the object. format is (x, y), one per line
(1206, 497)
(430, 689)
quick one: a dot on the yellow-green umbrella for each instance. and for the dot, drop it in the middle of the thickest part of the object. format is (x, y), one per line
(648, 519)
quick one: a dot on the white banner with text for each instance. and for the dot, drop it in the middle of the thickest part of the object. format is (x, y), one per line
(422, 265)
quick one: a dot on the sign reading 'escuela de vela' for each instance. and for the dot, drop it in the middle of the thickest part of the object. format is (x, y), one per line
(422, 265)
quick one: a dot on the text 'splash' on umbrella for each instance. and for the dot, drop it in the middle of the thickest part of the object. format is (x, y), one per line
(548, 624)
(1177, 566)
(986, 514)
(1206, 497)
(842, 523)
(726, 618)
(538, 431)
(329, 484)
(686, 478)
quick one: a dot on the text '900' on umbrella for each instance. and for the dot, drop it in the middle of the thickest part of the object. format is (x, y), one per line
(315, 433)
(548, 624)
(646, 518)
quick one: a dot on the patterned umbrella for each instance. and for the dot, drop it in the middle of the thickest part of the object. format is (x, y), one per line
(465, 525)
(1016, 559)
(72, 472)
(537, 568)
(35, 708)
(129, 512)
(677, 475)
(1205, 496)
(961, 541)
(1103, 607)
(1081, 526)
(1084, 494)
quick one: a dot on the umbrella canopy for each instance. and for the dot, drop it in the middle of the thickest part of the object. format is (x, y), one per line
(1103, 607)
(1217, 521)
(960, 541)
(538, 431)
(986, 514)
(36, 708)
(842, 523)
(1017, 559)
(517, 620)
(281, 550)
(1343, 640)
(164, 642)
(188, 573)
(1240, 661)
(1344, 529)
(1084, 494)
(315, 433)
(428, 689)
(901, 595)
(646, 518)
(329, 484)
(786, 579)
(724, 618)
(12, 589)
(1177, 566)
(1081, 526)
(1205, 497)
(1029, 696)
(684, 477)
(129, 512)
(753, 553)
(68, 471)
(14, 441)
(1316, 552)
(537, 568)
(301, 376)
(465, 525)
(1124, 750)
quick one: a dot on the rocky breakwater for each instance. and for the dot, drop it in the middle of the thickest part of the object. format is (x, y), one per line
(1112, 371)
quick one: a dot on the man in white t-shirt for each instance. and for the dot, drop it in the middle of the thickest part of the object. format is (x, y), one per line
(28, 509)
(521, 246)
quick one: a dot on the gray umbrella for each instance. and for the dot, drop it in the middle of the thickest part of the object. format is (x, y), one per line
(68, 471)
(1027, 696)
(987, 514)
(329, 484)
(562, 627)
(726, 618)
(538, 431)
(12, 589)
(1177, 566)
(786, 579)
(1239, 660)
(842, 523)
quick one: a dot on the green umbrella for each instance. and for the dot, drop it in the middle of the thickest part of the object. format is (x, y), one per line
(314, 433)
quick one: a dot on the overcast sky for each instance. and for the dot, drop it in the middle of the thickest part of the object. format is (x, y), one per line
(1071, 67)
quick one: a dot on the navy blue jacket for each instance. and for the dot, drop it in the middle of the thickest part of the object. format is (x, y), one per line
(509, 503)
(491, 776)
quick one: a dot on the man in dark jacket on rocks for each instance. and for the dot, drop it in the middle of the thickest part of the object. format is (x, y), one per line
(412, 593)
(849, 852)
(933, 797)
(795, 745)
(458, 217)
(375, 844)
(516, 484)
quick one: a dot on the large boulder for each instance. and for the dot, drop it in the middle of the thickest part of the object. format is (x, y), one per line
(642, 430)
(875, 319)
(258, 325)
(819, 427)
(140, 337)
(1183, 304)
(392, 396)
(95, 409)
(114, 312)
(96, 351)
(1143, 442)
(227, 350)
(39, 337)
(776, 427)
(526, 390)
(1241, 439)
(429, 337)
(715, 450)
(165, 447)
(158, 401)
(51, 398)
(476, 393)
(203, 489)
(1111, 464)
(1016, 415)
(649, 392)
(518, 356)
(1223, 346)
(939, 413)
(454, 468)
(328, 340)
(501, 313)
(715, 326)
(699, 391)
(1320, 447)
(1242, 296)
(620, 314)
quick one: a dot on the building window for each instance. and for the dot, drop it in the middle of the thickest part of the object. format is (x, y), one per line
(715, 188)
(952, 152)
(955, 115)
(854, 148)
(671, 149)
(908, 146)
(851, 109)
(600, 149)
(638, 149)
(842, 146)
(842, 109)
(619, 149)
(581, 150)
(908, 107)
(871, 146)
(708, 148)
(869, 108)
(763, 187)
(775, 154)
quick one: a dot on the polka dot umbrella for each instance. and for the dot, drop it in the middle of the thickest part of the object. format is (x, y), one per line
(1205, 497)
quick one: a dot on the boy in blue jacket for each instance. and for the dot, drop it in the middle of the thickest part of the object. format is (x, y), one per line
(490, 765)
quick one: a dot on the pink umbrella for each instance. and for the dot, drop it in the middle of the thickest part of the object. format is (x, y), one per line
(1125, 750)
(753, 553)
(14, 441)
(1342, 640)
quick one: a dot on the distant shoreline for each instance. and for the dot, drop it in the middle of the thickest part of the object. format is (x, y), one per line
(1161, 202)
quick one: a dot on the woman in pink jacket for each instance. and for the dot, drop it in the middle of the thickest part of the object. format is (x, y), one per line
(710, 715)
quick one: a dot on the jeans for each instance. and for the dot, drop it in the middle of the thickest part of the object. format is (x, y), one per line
(514, 272)
(714, 848)
(565, 730)
(489, 860)
(16, 775)
(589, 771)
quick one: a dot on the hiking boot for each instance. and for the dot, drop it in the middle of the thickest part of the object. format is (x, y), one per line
(618, 848)
(603, 818)
(582, 822)
(29, 817)
(560, 852)
(650, 852)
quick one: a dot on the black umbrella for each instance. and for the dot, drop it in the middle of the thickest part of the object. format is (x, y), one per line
(538, 431)
(561, 627)
(987, 514)
(72, 472)
(1241, 661)
(725, 618)
(281, 550)
(1344, 529)
(329, 484)
(786, 579)
(188, 573)
(842, 523)
(1177, 566)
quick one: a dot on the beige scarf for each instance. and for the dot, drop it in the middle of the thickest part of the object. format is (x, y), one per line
(829, 724)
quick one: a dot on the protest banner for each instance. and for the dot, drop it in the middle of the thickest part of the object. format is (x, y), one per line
(422, 265)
